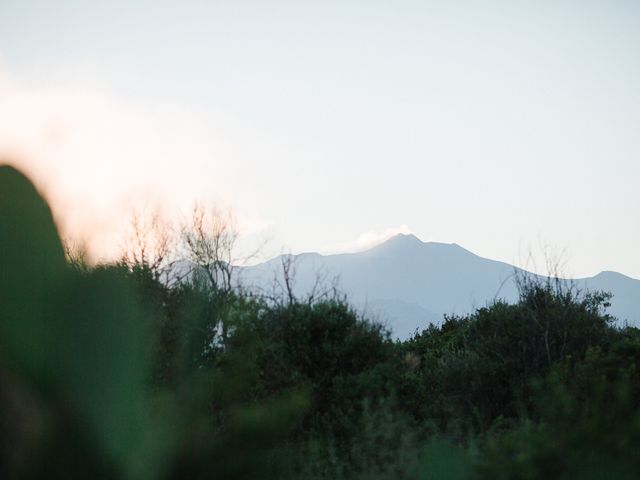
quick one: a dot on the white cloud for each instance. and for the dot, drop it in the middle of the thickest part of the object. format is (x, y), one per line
(366, 240)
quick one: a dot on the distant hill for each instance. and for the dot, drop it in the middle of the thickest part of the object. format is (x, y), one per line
(407, 283)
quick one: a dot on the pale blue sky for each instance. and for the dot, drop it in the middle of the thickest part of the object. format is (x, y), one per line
(495, 125)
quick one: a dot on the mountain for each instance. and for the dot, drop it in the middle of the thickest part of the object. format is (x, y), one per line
(407, 283)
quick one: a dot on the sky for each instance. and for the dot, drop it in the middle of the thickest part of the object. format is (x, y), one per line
(504, 127)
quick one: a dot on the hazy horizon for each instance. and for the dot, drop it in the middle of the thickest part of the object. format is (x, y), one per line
(505, 129)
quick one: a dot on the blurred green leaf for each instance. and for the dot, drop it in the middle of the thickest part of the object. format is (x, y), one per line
(31, 267)
(444, 461)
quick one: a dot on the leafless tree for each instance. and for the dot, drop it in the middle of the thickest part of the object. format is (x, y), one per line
(209, 243)
(288, 276)
(284, 282)
(555, 283)
(150, 244)
(77, 254)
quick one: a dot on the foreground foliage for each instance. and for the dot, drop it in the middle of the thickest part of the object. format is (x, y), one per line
(109, 372)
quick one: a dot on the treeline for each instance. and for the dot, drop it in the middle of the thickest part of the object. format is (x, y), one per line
(121, 371)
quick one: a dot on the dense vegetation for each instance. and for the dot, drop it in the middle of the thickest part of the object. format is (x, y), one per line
(113, 372)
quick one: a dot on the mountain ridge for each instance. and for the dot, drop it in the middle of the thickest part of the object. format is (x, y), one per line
(408, 283)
